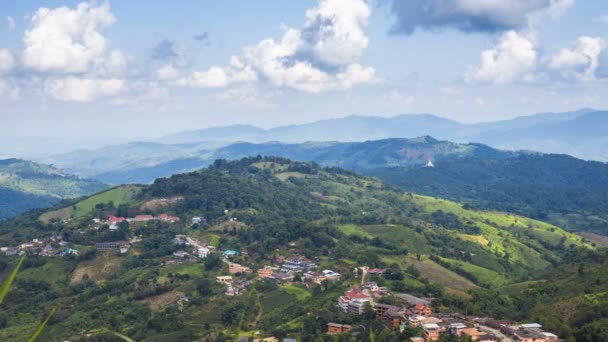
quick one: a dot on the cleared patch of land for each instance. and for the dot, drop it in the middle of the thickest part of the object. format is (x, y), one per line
(99, 269)
(286, 175)
(599, 240)
(162, 300)
(439, 274)
(299, 292)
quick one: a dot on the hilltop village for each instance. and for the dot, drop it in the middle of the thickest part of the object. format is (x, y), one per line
(267, 249)
(397, 311)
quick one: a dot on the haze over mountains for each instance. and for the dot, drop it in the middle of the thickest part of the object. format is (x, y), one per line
(580, 133)
(576, 133)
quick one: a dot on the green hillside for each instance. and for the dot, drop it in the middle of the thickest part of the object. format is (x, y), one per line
(26, 185)
(282, 208)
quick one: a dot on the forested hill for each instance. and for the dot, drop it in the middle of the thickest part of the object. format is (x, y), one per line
(25, 185)
(272, 208)
(563, 190)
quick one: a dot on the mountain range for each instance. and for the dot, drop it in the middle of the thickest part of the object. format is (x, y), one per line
(545, 132)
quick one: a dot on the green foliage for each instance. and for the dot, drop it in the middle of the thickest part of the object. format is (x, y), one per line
(11, 277)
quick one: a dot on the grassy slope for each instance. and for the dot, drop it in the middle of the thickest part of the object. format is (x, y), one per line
(118, 195)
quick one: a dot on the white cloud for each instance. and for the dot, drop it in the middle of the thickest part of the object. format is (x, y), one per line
(65, 40)
(395, 96)
(513, 58)
(7, 61)
(249, 96)
(83, 89)
(581, 60)
(167, 73)
(317, 58)
(333, 30)
(557, 8)
(8, 91)
(11, 23)
(116, 64)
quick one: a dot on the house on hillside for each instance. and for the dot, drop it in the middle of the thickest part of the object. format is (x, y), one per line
(168, 218)
(335, 328)
(115, 219)
(230, 253)
(108, 246)
(236, 268)
(141, 218)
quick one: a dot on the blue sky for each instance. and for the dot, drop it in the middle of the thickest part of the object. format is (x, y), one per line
(120, 70)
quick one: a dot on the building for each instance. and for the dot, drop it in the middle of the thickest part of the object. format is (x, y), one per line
(389, 314)
(376, 271)
(431, 331)
(299, 261)
(115, 219)
(282, 277)
(202, 252)
(230, 253)
(224, 280)
(141, 218)
(168, 218)
(411, 300)
(335, 328)
(181, 254)
(329, 274)
(265, 272)
(236, 268)
(11, 251)
(197, 220)
(353, 301)
(422, 309)
(107, 246)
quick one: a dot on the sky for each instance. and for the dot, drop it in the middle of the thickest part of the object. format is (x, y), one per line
(109, 71)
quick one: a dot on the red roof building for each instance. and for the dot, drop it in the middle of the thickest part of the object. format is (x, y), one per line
(115, 219)
(376, 271)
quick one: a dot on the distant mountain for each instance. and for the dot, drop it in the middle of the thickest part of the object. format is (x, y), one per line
(226, 134)
(579, 133)
(25, 185)
(583, 136)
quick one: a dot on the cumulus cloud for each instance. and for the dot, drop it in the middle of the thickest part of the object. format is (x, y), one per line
(167, 73)
(65, 40)
(7, 61)
(320, 56)
(11, 23)
(581, 61)
(470, 15)
(513, 58)
(83, 89)
(9, 91)
(333, 31)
